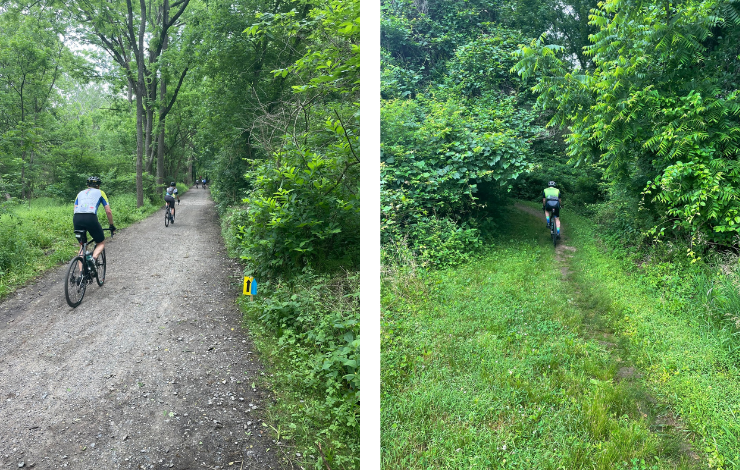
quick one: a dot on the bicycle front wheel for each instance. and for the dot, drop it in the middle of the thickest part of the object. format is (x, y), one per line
(75, 282)
(100, 268)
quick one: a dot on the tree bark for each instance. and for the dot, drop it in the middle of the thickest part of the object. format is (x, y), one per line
(162, 99)
(138, 46)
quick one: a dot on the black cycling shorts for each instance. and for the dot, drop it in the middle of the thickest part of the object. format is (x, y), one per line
(552, 206)
(170, 201)
(90, 223)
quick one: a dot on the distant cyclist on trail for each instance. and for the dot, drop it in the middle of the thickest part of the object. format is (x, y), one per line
(551, 204)
(86, 210)
(204, 182)
(169, 197)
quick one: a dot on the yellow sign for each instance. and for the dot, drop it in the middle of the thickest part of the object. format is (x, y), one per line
(250, 286)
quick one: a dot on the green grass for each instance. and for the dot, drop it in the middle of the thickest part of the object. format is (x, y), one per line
(503, 364)
(37, 235)
(681, 341)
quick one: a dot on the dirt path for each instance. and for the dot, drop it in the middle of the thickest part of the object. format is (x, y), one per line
(595, 326)
(563, 251)
(151, 371)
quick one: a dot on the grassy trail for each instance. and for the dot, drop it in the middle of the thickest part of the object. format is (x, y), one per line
(538, 358)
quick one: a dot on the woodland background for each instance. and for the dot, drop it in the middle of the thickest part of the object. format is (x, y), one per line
(259, 97)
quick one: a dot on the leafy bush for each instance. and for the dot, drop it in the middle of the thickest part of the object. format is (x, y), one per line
(437, 242)
(304, 208)
(315, 320)
(125, 211)
(435, 154)
(471, 130)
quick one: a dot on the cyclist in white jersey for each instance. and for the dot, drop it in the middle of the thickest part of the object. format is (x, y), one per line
(169, 197)
(86, 210)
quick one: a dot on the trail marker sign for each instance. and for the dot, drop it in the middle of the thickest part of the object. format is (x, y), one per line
(250, 286)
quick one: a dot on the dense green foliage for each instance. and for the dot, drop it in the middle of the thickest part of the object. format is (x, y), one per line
(453, 139)
(288, 188)
(659, 111)
(314, 338)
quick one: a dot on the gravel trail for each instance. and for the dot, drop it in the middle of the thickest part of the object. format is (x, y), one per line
(151, 371)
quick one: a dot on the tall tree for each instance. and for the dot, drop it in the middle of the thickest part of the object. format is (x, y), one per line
(32, 60)
(124, 41)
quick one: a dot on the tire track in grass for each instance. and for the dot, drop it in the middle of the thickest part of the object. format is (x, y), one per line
(627, 379)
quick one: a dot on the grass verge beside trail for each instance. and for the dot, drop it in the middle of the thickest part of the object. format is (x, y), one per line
(37, 235)
(496, 364)
(306, 330)
(311, 356)
(688, 354)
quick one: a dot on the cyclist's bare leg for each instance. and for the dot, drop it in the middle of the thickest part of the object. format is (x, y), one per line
(547, 217)
(81, 253)
(98, 248)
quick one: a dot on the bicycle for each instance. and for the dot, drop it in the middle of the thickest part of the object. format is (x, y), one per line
(81, 271)
(168, 216)
(553, 231)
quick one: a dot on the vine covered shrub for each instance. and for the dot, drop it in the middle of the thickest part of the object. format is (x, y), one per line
(446, 148)
(303, 208)
(435, 152)
(644, 115)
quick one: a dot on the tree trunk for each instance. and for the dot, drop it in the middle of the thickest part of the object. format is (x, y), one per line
(162, 98)
(140, 90)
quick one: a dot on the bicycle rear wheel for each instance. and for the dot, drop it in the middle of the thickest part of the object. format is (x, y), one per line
(554, 232)
(100, 268)
(75, 282)
(167, 217)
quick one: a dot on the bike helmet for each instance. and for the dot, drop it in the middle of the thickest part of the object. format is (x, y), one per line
(172, 184)
(93, 181)
(551, 184)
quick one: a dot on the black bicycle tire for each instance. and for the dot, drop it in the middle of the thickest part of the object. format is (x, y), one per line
(100, 268)
(553, 232)
(166, 218)
(83, 282)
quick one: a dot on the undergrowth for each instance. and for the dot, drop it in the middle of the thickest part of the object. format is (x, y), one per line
(306, 329)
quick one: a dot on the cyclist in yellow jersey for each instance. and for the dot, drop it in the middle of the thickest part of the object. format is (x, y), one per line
(86, 210)
(551, 204)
